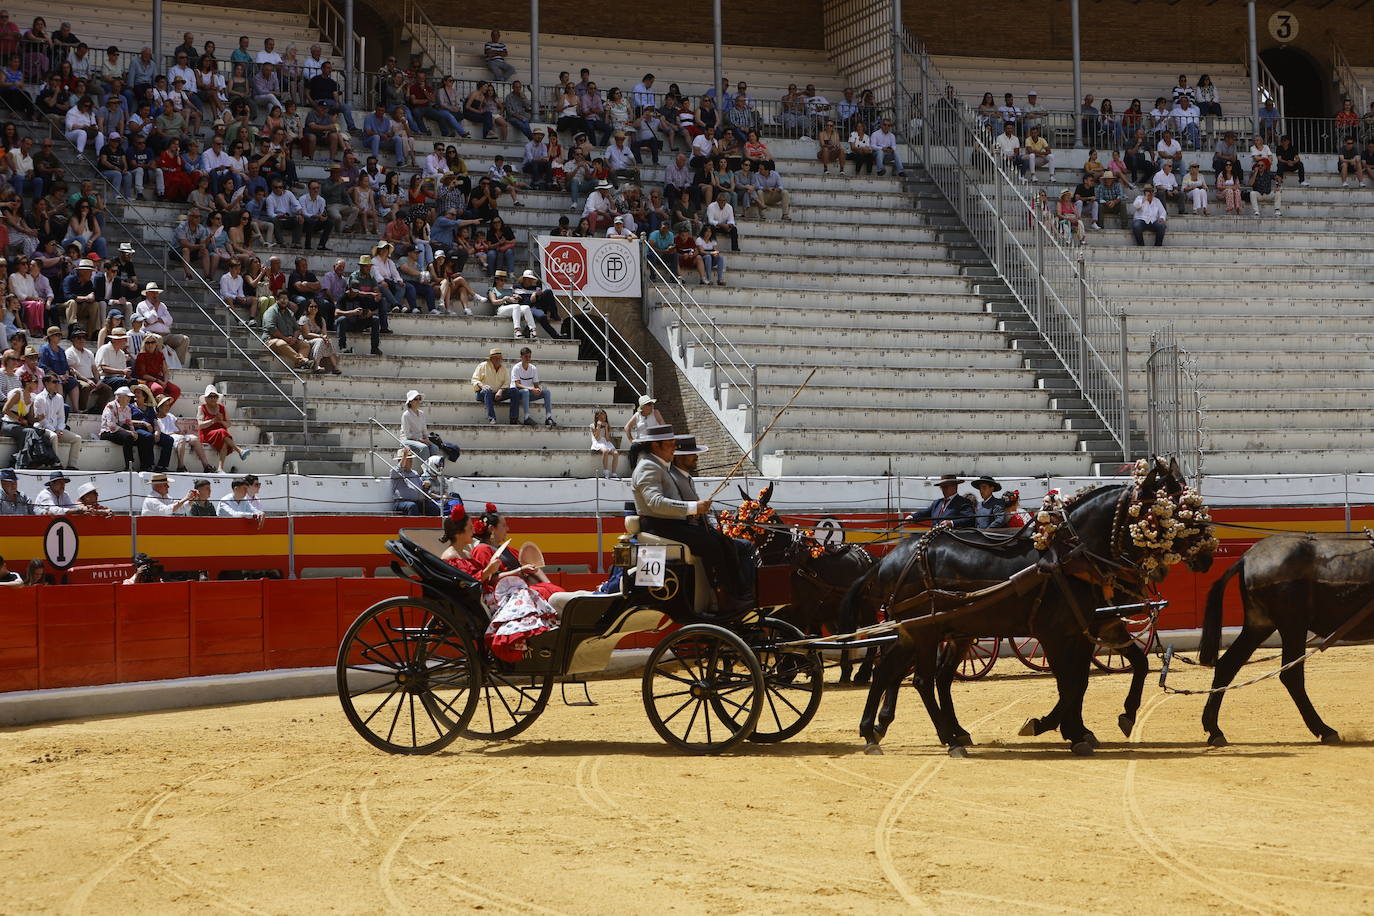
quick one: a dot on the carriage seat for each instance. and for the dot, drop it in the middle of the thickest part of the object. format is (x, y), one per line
(560, 599)
(633, 530)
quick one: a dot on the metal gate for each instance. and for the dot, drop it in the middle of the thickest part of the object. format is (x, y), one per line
(1175, 403)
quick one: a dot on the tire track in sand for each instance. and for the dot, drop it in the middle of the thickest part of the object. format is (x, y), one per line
(905, 794)
(1160, 850)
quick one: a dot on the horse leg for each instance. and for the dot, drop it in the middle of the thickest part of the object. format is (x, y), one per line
(846, 667)
(1069, 658)
(867, 666)
(1046, 723)
(950, 657)
(925, 682)
(887, 678)
(1295, 679)
(1228, 666)
(1140, 669)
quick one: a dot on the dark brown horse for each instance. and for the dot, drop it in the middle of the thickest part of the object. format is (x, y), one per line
(1292, 584)
(1092, 550)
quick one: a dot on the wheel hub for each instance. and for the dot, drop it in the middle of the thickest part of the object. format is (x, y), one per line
(412, 680)
(702, 691)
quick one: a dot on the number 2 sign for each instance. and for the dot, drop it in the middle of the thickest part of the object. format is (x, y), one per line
(1283, 25)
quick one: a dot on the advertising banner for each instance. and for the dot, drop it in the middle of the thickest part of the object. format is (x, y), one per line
(595, 267)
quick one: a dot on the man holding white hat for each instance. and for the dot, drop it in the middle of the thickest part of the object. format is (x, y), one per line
(158, 319)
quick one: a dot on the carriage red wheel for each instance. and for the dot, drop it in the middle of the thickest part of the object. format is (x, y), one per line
(979, 659)
(1142, 631)
(1031, 653)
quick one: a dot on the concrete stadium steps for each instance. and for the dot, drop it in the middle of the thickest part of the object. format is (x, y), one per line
(99, 455)
(848, 439)
(1160, 310)
(927, 262)
(841, 386)
(1269, 460)
(484, 460)
(1256, 257)
(738, 297)
(909, 346)
(913, 419)
(574, 403)
(1309, 418)
(914, 459)
(856, 284)
(1224, 400)
(930, 399)
(869, 356)
(870, 320)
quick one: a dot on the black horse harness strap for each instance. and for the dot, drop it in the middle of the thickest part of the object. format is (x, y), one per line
(959, 603)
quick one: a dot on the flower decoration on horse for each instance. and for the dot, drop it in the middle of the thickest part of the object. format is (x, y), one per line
(1168, 528)
(756, 522)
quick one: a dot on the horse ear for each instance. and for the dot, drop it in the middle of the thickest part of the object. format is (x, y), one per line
(744, 497)
(1174, 469)
(767, 494)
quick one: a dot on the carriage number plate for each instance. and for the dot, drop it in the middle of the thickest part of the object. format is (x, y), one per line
(651, 563)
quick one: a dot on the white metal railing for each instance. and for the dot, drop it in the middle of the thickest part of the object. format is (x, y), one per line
(1346, 79)
(1043, 272)
(326, 18)
(617, 354)
(729, 368)
(433, 45)
(1269, 87)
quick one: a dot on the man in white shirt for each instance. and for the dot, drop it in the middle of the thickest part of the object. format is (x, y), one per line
(284, 210)
(1148, 213)
(159, 502)
(1169, 148)
(1157, 118)
(598, 206)
(1034, 114)
(54, 499)
(435, 163)
(237, 504)
(524, 375)
(721, 216)
(112, 364)
(92, 394)
(1166, 186)
(884, 144)
(312, 65)
(267, 55)
(1008, 146)
(621, 160)
(771, 192)
(703, 147)
(231, 287)
(1186, 121)
(1009, 112)
(643, 93)
(51, 406)
(158, 319)
(314, 216)
(618, 231)
(817, 106)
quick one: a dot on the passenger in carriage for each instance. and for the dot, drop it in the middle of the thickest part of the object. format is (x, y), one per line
(491, 530)
(665, 510)
(949, 511)
(1016, 516)
(517, 611)
(990, 511)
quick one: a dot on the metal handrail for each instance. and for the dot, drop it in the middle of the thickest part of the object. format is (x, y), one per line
(375, 453)
(1345, 77)
(330, 23)
(728, 364)
(423, 30)
(1046, 277)
(1269, 86)
(137, 239)
(617, 353)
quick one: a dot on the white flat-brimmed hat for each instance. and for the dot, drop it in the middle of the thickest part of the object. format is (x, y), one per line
(152, 287)
(411, 395)
(604, 186)
(86, 489)
(85, 264)
(528, 275)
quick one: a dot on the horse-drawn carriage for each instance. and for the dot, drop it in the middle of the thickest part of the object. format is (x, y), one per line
(413, 674)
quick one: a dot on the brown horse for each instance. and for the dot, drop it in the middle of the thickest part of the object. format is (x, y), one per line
(1291, 584)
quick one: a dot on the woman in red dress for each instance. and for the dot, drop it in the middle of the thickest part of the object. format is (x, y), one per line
(213, 423)
(491, 528)
(1016, 516)
(176, 181)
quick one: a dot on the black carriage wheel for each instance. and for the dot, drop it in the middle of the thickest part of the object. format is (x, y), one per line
(1031, 653)
(405, 675)
(793, 681)
(508, 704)
(694, 674)
(1141, 629)
(979, 659)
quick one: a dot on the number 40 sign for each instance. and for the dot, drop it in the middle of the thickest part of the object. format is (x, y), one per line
(651, 563)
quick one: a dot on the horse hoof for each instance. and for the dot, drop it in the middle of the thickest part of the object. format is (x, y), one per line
(1126, 724)
(1030, 728)
(958, 751)
(873, 749)
(1331, 738)
(861, 680)
(1083, 747)
(1092, 739)
(1217, 739)
(963, 740)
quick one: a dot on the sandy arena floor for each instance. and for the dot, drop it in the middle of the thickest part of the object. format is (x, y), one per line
(281, 808)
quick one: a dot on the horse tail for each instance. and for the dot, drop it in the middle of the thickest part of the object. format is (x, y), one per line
(848, 615)
(1210, 644)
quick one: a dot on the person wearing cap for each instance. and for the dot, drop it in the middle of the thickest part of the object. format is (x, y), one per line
(362, 308)
(54, 499)
(159, 502)
(112, 362)
(414, 429)
(621, 159)
(50, 409)
(664, 510)
(542, 302)
(92, 393)
(491, 383)
(619, 232)
(321, 129)
(157, 319)
(279, 321)
(508, 305)
(951, 510)
(117, 426)
(646, 415)
(989, 511)
(1147, 213)
(170, 426)
(12, 502)
(1110, 201)
(1034, 114)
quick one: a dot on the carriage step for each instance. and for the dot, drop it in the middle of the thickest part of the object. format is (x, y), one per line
(563, 692)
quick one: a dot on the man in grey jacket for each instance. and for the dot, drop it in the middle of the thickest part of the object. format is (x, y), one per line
(664, 510)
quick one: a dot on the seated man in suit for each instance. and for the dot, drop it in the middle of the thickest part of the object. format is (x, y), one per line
(949, 511)
(990, 511)
(684, 469)
(664, 510)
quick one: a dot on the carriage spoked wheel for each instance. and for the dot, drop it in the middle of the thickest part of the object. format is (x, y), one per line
(508, 704)
(793, 681)
(1031, 653)
(979, 659)
(703, 689)
(406, 675)
(1142, 631)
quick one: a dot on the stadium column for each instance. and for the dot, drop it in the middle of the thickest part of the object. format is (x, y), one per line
(157, 33)
(715, 52)
(1077, 76)
(1253, 55)
(535, 93)
(350, 64)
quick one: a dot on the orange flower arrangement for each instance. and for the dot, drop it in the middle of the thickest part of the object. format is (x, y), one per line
(749, 520)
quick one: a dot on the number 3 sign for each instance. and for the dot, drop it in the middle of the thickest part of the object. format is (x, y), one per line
(1283, 25)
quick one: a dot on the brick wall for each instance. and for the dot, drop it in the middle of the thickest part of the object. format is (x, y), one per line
(1128, 30)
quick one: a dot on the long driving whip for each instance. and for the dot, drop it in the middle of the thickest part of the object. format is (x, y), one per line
(766, 430)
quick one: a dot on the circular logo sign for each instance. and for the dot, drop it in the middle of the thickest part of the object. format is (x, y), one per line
(565, 265)
(830, 532)
(60, 543)
(613, 271)
(1283, 25)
